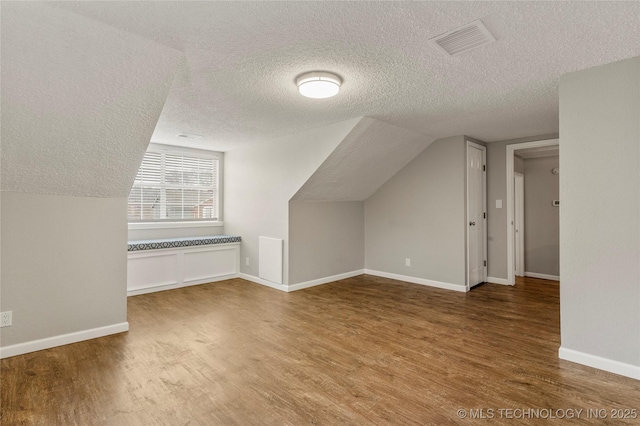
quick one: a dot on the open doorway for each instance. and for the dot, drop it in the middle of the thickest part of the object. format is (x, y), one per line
(528, 257)
(518, 219)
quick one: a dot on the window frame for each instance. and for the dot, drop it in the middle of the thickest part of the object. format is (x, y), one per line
(185, 223)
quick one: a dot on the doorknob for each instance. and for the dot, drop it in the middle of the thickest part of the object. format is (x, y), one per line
(472, 224)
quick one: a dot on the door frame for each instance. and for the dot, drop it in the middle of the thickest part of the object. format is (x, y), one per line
(484, 206)
(519, 199)
(511, 277)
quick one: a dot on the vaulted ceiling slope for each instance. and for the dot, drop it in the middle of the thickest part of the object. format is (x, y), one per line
(368, 156)
(243, 58)
(80, 100)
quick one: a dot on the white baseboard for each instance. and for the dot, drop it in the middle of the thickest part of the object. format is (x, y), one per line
(600, 363)
(324, 280)
(63, 339)
(414, 280)
(542, 276)
(261, 281)
(494, 280)
(153, 289)
(300, 286)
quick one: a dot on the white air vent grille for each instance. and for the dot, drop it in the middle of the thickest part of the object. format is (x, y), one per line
(463, 39)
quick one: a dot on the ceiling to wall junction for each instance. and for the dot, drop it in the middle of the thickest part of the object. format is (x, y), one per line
(368, 156)
(242, 58)
(80, 101)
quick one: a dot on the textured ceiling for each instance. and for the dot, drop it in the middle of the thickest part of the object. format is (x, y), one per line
(80, 101)
(367, 157)
(237, 86)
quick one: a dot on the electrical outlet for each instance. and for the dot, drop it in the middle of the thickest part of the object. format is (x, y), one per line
(5, 319)
(407, 262)
(246, 261)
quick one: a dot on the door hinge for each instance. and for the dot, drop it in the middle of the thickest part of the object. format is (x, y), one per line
(485, 263)
(484, 168)
(484, 215)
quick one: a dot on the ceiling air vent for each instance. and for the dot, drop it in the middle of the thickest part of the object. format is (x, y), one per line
(463, 39)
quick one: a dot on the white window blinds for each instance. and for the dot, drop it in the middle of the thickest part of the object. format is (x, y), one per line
(175, 187)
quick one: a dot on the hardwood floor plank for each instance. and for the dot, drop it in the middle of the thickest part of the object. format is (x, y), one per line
(365, 350)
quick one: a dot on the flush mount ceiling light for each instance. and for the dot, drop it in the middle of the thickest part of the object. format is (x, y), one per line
(318, 85)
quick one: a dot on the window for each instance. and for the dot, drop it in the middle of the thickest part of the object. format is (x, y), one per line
(174, 186)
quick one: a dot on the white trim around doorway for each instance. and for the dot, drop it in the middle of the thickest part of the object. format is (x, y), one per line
(511, 279)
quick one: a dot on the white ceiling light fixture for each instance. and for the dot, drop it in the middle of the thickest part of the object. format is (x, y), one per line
(318, 85)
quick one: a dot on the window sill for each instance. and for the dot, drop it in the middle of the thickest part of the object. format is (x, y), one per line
(173, 225)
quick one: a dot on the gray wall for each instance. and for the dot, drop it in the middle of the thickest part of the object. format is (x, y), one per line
(600, 193)
(261, 179)
(497, 190)
(420, 214)
(541, 218)
(65, 272)
(325, 239)
(80, 101)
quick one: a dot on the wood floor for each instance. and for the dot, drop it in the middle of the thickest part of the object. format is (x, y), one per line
(360, 351)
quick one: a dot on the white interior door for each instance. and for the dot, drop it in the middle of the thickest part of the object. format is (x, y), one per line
(518, 223)
(476, 215)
